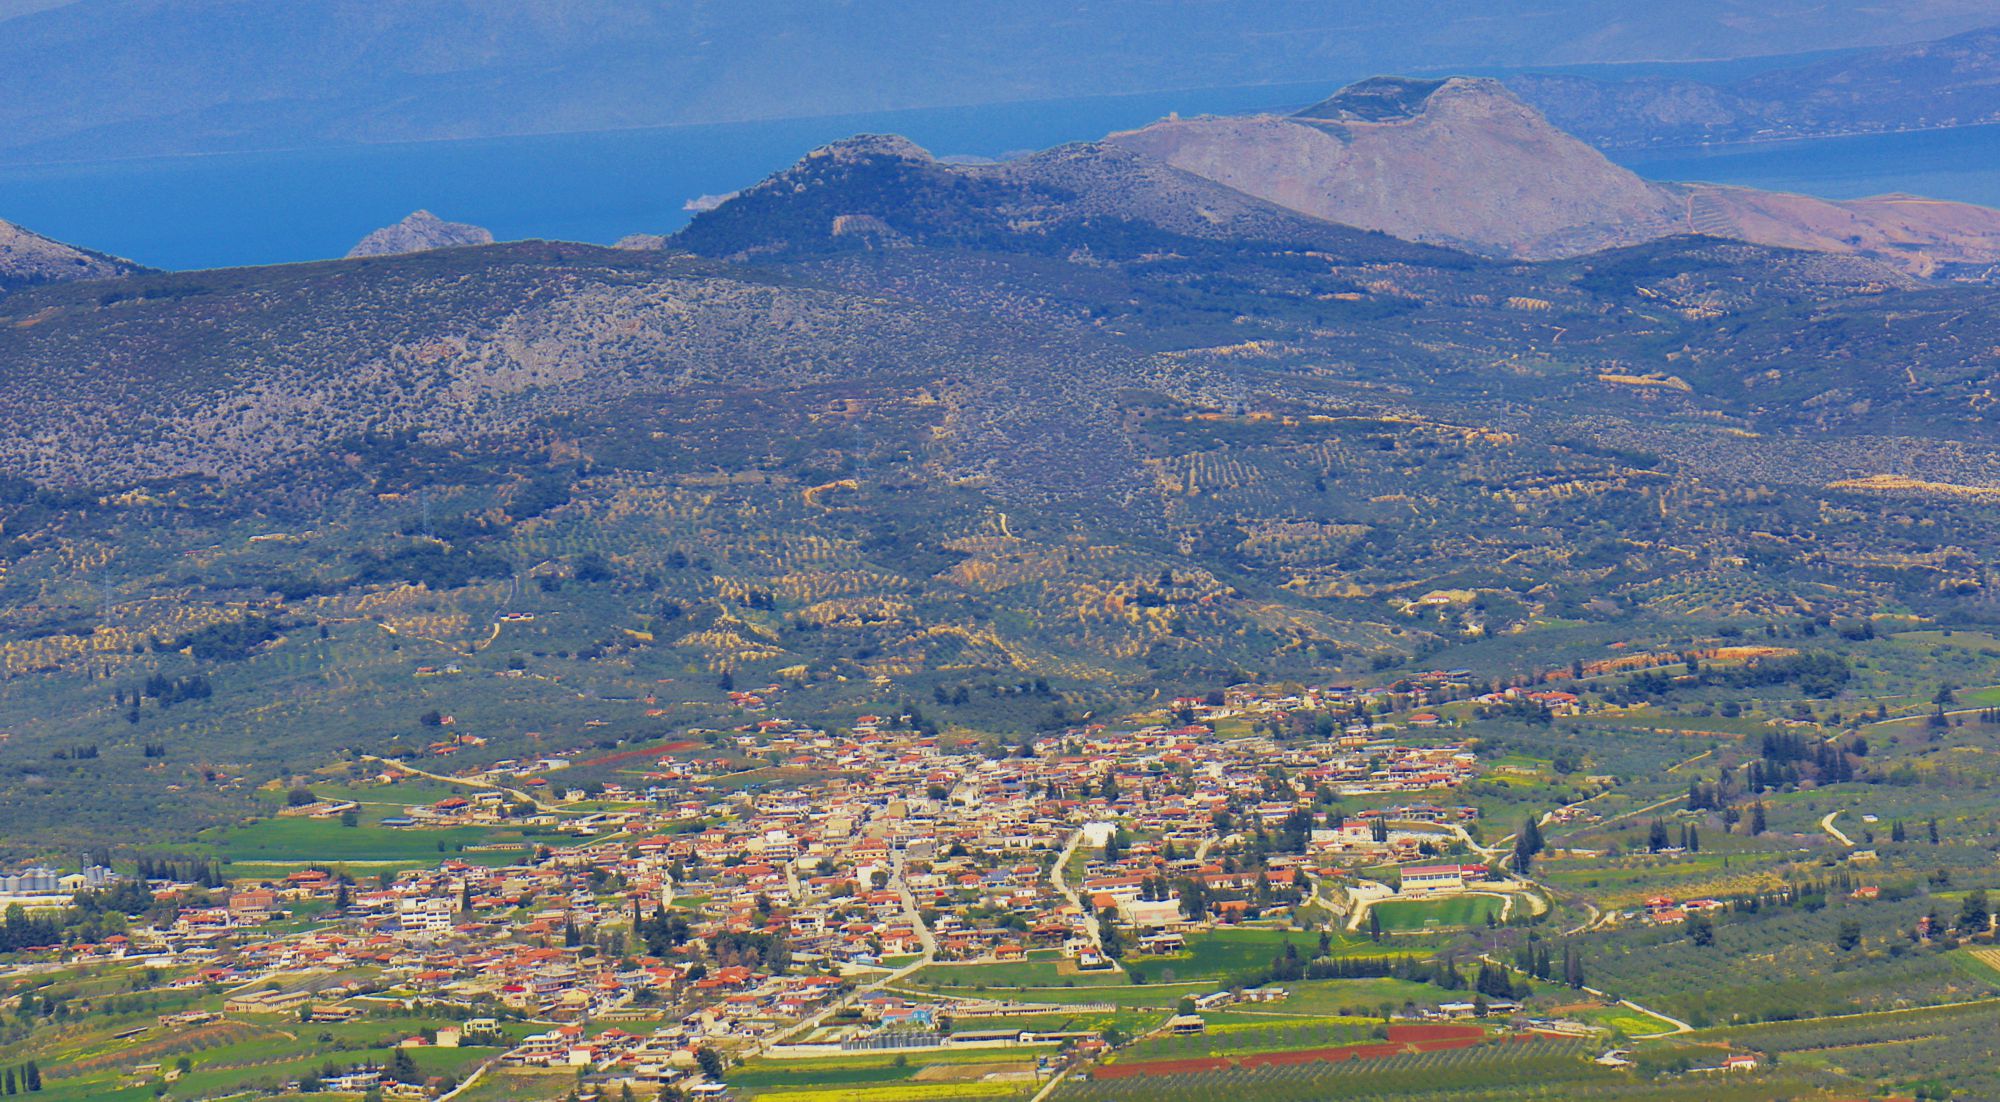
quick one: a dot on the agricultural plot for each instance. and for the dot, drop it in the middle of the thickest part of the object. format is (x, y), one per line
(1216, 956)
(1945, 1048)
(1351, 998)
(910, 1092)
(280, 842)
(1779, 962)
(1015, 974)
(861, 1073)
(1244, 1035)
(1443, 1073)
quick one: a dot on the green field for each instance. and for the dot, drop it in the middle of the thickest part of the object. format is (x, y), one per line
(1022, 973)
(1415, 915)
(1220, 954)
(301, 841)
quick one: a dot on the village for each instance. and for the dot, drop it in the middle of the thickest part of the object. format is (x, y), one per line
(805, 920)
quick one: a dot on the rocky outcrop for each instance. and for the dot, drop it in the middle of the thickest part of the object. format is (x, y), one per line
(1466, 164)
(420, 232)
(1460, 162)
(28, 258)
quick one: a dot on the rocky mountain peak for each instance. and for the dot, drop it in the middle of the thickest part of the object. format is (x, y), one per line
(1403, 99)
(420, 232)
(1459, 162)
(871, 146)
(1377, 99)
(28, 258)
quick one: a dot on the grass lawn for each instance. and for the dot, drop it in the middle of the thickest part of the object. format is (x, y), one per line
(1021, 973)
(1366, 998)
(302, 841)
(1267, 1035)
(1162, 996)
(1094, 1021)
(1222, 954)
(863, 1069)
(1450, 911)
(1624, 1019)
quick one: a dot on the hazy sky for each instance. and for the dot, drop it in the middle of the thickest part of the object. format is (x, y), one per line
(11, 8)
(97, 79)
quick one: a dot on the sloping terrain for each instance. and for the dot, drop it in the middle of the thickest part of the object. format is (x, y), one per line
(1950, 82)
(1466, 164)
(28, 258)
(420, 231)
(1010, 443)
(1457, 162)
(245, 368)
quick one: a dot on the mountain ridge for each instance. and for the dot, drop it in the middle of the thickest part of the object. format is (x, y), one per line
(28, 258)
(1466, 163)
(881, 429)
(98, 78)
(1950, 82)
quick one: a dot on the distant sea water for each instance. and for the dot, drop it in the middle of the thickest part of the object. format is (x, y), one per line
(272, 207)
(265, 208)
(1961, 163)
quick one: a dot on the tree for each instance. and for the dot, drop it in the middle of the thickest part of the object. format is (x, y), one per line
(1977, 913)
(1849, 937)
(710, 1062)
(33, 1073)
(1108, 935)
(1527, 843)
(403, 1068)
(1194, 899)
(1757, 820)
(1700, 930)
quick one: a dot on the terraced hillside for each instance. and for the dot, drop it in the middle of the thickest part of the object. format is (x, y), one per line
(1010, 444)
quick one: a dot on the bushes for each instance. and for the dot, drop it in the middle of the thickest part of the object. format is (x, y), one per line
(229, 641)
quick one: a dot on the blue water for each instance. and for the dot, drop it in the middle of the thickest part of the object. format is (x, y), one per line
(261, 208)
(1961, 164)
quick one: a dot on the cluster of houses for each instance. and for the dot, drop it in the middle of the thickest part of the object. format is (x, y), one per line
(1662, 910)
(739, 917)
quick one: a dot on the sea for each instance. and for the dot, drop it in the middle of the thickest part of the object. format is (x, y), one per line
(235, 209)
